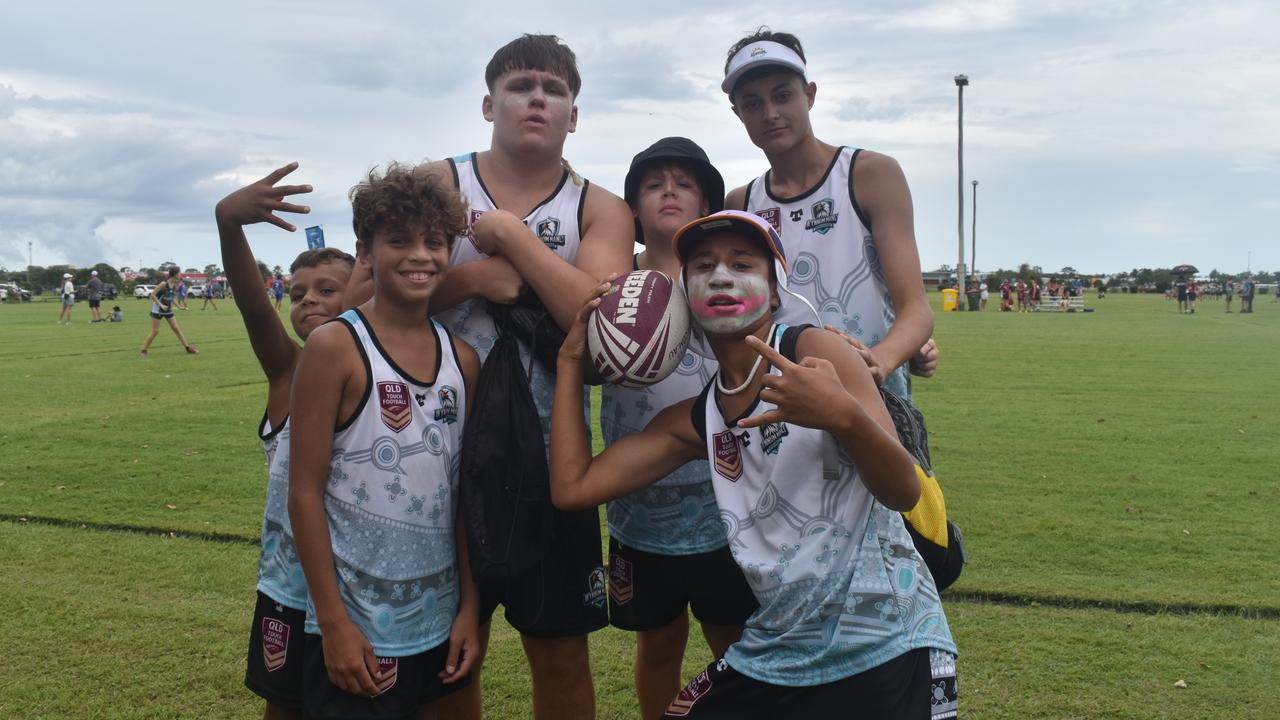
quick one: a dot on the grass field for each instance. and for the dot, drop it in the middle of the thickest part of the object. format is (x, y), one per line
(1115, 474)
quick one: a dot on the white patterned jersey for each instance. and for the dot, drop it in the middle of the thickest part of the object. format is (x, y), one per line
(280, 574)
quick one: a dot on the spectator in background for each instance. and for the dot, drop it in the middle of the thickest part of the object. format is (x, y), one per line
(277, 288)
(1035, 294)
(1006, 297)
(94, 293)
(1246, 294)
(68, 299)
(1193, 292)
(1231, 291)
(983, 298)
(209, 290)
(1022, 295)
(1180, 288)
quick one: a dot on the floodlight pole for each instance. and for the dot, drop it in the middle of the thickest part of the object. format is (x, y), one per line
(961, 82)
(973, 236)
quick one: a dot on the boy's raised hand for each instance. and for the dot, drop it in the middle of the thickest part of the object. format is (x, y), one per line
(261, 200)
(806, 393)
(574, 347)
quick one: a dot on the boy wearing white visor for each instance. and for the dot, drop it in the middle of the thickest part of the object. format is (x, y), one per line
(845, 213)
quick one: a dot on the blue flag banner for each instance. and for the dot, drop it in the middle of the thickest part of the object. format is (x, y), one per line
(315, 237)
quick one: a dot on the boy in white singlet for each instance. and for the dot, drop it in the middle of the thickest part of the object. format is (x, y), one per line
(810, 479)
(844, 213)
(274, 670)
(378, 405)
(537, 231)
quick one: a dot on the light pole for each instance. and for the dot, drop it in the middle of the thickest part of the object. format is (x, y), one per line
(961, 82)
(973, 235)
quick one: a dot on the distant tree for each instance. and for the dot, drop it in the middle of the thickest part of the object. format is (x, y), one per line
(1068, 271)
(212, 270)
(108, 274)
(277, 270)
(263, 270)
(164, 266)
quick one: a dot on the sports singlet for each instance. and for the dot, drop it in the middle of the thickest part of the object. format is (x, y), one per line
(557, 221)
(834, 263)
(280, 574)
(678, 514)
(390, 500)
(840, 584)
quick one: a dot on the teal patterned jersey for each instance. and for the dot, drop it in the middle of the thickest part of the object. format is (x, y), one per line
(840, 584)
(677, 515)
(279, 569)
(390, 500)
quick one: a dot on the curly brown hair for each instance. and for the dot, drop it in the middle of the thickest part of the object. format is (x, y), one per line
(312, 258)
(407, 196)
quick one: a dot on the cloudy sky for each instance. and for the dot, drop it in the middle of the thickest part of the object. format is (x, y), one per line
(1104, 135)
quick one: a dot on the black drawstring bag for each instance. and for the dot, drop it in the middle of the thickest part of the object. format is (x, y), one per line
(503, 477)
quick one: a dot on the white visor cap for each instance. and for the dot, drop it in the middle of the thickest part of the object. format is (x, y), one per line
(760, 54)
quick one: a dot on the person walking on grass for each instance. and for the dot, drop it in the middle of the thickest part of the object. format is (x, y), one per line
(1246, 295)
(94, 293)
(1230, 289)
(208, 296)
(162, 299)
(68, 299)
(277, 289)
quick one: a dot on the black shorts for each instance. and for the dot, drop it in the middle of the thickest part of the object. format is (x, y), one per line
(648, 591)
(905, 688)
(408, 684)
(161, 315)
(95, 304)
(564, 595)
(276, 653)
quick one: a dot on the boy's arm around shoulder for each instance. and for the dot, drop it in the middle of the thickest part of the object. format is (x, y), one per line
(882, 192)
(831, 389)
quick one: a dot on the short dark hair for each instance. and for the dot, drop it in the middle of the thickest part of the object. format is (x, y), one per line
(407, 196)
(173, 271)
(547, 53)
(312, 258)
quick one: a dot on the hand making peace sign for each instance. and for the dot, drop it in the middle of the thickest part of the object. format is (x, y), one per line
(807, 393)
(260, 201)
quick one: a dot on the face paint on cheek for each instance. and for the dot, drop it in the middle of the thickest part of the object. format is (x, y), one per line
(723, 301)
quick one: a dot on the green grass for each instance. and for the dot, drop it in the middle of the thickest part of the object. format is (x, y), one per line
(1126, 456)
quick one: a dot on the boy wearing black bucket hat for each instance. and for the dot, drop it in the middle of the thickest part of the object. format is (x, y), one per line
(844, 212)
(810, 479)
(667, 548)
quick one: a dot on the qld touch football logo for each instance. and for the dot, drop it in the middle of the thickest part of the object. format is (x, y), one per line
(388, 670)
(773, 216)
(683, 704)
(621, 589)
(275, 643)
(728, 459)
(393, 397)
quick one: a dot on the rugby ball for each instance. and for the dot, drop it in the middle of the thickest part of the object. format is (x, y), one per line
(639, 332)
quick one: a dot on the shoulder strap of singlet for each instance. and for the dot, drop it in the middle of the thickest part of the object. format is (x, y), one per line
(350, 318)
(853, 198)
(746, 198)
(698, 413)
(790, 336)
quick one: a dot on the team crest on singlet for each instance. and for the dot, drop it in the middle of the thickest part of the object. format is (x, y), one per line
(447, 413)
(773, 216)
(683, 704)
(771, 437)
(728, 459)
(275, 643)
(393, 398)
(549, 233)
(471, 221)
(824, 216)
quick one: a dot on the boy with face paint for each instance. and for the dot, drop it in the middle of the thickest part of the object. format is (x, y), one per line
(667, 548)
(535, 228)
(810, 480)
(845, 213)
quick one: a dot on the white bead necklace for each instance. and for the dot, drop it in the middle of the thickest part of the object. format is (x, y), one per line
(756, 366)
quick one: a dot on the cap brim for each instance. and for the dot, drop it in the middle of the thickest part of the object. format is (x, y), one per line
(699, 228)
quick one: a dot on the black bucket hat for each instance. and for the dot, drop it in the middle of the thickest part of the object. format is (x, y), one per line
(666, 150)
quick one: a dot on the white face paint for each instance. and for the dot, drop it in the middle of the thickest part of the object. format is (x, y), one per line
(725, 301)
